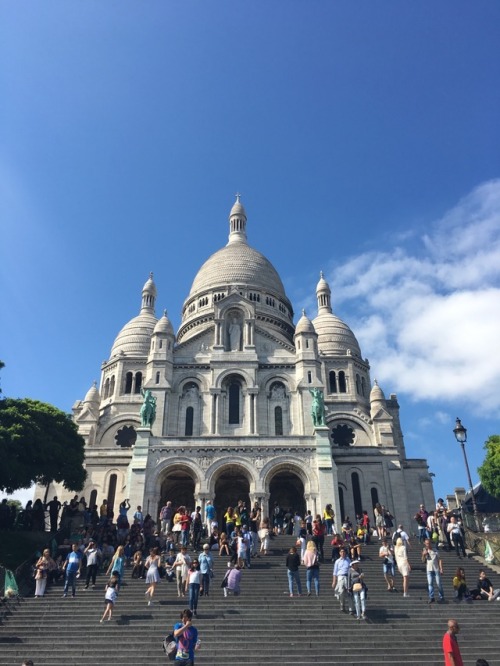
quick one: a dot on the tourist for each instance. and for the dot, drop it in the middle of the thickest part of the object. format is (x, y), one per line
(233, 581)
(181, 566)
(311, 562)
(329, 518)
(358, 591)
(434, 568)
(110, 598)
(166, 517)
(43, 566)
(340, 581)
(92, 554)
(302, 540)
(210, 517)
(72, 567)
(224, 545)
(451, 651)
(194, 583)
(455, 532)
(460, 585)
(187, 640)
(404, 566)
(152, 565)
(264, 535)
(386, 552)
(318, 536)
(484, 589)
(292, 565)
(229, 518)
(206, 562)
(137, 565)
(117, 565)
(53, 507)
(379, 521)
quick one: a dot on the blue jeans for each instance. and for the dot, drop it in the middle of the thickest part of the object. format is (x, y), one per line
(359, 602)
(70, 580)
(185, 538)
(194, 593)
(294, 576)
(312, 574)
(431, 577)
(205, 579)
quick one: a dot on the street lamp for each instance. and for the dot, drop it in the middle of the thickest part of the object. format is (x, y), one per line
(461, 436)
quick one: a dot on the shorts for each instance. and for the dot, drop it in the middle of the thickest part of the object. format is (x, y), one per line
(389, 569)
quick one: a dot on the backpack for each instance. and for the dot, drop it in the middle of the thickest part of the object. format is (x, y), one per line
(169, 646)
(396, 536)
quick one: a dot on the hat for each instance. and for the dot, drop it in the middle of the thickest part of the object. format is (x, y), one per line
(206, 546)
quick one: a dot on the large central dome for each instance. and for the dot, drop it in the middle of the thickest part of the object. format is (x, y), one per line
(238, 264)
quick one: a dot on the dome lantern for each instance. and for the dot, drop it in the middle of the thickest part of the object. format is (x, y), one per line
(237, 222)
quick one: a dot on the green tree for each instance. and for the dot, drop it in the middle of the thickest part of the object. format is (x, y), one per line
(489, 472)
(39, 444)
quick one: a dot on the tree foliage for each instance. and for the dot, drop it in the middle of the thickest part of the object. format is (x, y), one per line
(39, 444)
(489, 472)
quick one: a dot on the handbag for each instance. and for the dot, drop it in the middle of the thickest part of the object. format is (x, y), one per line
(357, 587)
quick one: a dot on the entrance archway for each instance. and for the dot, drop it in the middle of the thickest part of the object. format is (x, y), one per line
(287, 489)
(178, 487)
(231, 486)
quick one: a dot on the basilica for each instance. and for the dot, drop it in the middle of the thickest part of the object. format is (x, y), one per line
(246, 404)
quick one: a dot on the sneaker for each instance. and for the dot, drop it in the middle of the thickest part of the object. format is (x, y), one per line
(406, 596)
(101, 621)
(431, 601)
(64, 596)
(291, 595)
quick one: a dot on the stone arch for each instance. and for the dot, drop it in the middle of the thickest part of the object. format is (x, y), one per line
(107, 436)
(361, 429)
(246, 377)
(177, 481)
(230, 484)
(286, 486)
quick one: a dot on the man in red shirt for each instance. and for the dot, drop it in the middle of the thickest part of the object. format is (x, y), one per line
(452, 656)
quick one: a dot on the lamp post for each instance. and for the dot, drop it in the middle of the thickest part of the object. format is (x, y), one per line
(461, 436)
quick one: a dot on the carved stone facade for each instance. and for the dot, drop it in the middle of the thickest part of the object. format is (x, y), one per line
(233, 403)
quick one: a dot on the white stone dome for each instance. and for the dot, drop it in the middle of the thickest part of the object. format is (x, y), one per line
(164, 325)
(92, 394)
(376, 394)
(135, 337)
(238, 264)
(304, 325)
(334, 335)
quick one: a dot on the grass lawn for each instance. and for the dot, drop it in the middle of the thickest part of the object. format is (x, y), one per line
(16, 547)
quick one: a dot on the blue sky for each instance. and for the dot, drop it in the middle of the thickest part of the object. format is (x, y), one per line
(364, 138)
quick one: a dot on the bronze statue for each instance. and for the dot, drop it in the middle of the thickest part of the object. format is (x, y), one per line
(318, 407)
(148, 409)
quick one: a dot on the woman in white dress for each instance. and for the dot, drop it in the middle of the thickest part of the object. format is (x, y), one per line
(43, 566)
(153, 575)
(404, 567)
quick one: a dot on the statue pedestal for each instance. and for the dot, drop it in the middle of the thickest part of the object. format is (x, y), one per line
(137, 467)
(327, 472)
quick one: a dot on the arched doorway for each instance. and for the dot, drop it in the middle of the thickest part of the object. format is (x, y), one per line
(231, 486)
(178, 487)
(287, 489)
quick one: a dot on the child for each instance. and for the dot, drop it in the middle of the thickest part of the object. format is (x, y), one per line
(110, 598)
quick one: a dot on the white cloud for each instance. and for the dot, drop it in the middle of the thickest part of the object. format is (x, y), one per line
(428, 315)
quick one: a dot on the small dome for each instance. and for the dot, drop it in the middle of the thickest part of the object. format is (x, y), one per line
(92, 394)
(335, 336)
(304, 325)
(149, 286)
(323, 285)
(238, 208)
(376, 394)
(163, 325)
(135, 337)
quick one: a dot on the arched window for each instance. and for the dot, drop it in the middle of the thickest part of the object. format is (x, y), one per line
(342, 382)
(188, 428)
(374, 494)
(356, 492)
(309, 377)
(358, 385)
(333, 381)
(278, 421)
(138, 382)
(93, 499)
(111, 492)
(341, 502)
(112, 386)
(128, 382)
(234, 403)
(363, 387)
(157, 378)
(106, 388)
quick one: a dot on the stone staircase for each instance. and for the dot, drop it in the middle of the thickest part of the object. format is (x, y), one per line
(264, 625)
